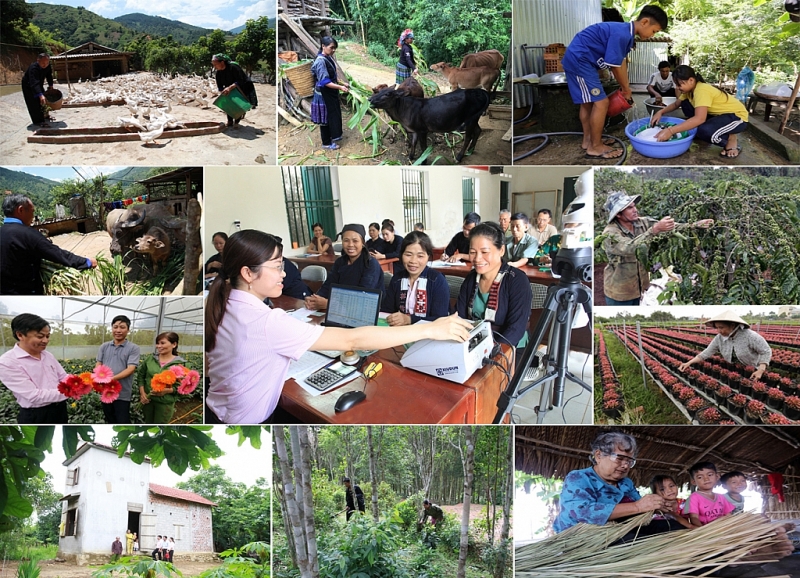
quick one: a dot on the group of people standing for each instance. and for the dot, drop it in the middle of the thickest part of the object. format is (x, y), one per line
(32, 373)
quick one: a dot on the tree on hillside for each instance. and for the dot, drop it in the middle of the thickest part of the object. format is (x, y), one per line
(16, 16)
(251, 45)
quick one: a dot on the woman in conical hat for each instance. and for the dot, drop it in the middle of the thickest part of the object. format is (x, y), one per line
(735, 341)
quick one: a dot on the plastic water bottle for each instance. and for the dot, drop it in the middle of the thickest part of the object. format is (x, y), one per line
(744, 84)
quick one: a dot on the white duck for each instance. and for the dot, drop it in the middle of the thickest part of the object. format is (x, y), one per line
(150, 137)
(129, 123)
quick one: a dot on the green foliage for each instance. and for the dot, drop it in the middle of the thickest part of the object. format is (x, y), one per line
(362, 549)
(185, 447)
(749, 256)
(28, 569)
(242, 513)
(35, 188)
(255, 47)
(380, 53)
(250, 561)
(137, 566)
(74, 26)
(16, 15)
(407, 513)
(158, 26)
(443, 31)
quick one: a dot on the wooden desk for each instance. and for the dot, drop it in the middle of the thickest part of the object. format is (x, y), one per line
(399, 395)
(328, 260)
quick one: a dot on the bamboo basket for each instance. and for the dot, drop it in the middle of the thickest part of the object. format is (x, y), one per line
(301, 78)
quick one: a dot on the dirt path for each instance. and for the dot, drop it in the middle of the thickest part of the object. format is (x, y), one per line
(303, 145)
(53, 569)
(253, 142)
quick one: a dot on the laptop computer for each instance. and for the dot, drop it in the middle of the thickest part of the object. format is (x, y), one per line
(351, 307)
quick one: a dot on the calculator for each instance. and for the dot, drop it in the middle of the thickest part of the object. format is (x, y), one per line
(329, 375)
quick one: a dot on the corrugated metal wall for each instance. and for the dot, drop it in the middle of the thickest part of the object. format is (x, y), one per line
(538, 23)
(644, 60)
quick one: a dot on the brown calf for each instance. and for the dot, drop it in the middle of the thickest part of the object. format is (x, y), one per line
(479, 77)
(491, 58)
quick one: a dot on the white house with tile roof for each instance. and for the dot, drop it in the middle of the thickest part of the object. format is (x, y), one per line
(105, 495)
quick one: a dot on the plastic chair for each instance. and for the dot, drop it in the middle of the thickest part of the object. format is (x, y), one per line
(314, 273)
(455, 285)
(337, 247)
(387, 279)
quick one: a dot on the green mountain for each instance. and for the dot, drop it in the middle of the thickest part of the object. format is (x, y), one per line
(75, 26)
(37, 188)
(128, 176)
(157, 26)
(240, 29)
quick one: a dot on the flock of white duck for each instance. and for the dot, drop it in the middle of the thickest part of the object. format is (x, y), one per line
(149, 98)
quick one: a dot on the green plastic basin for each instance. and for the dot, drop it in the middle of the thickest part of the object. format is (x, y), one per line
(235, 103)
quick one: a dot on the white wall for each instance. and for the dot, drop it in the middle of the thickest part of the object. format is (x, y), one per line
(252, 195)
(106, 484)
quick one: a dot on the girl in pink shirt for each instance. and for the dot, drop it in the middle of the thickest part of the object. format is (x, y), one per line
(249, 345)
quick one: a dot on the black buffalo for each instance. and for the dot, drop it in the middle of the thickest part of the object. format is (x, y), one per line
(446, 113)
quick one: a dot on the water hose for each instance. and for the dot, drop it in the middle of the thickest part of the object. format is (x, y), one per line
(546, 136)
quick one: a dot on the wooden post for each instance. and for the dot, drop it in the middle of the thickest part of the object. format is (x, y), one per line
(194, 248)
(790, 105)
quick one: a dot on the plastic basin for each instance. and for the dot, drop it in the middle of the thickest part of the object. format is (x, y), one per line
(659, 150)
(235, 103)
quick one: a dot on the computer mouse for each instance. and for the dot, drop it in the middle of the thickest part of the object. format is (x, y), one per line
(349, 399)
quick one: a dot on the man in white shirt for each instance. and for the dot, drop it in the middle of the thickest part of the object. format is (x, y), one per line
(661, 83)
(158, 553)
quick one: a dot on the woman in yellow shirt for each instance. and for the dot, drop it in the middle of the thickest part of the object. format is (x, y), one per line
(718, 116)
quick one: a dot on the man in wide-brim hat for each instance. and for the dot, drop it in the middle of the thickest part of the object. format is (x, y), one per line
(625, 278)
(735, 341)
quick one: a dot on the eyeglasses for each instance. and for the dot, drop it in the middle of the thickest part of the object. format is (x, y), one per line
(620, 459)
(280, 267)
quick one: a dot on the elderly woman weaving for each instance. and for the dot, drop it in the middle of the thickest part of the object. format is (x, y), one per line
(604, 492)
(735, 341)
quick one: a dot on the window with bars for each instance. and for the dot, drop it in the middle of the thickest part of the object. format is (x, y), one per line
(308, 194)
(415, 201)
(504, 200)
(470, 202)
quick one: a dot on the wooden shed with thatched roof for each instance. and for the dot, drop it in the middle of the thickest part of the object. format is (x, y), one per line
(768, 456)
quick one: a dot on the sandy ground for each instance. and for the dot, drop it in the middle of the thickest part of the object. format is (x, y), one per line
(304, 145)
(53, 569)
(253, 142)
(566, 150)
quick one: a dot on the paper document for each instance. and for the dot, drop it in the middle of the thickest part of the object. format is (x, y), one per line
(306, 365)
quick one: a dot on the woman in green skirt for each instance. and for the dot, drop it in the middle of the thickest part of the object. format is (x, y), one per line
(158, 406)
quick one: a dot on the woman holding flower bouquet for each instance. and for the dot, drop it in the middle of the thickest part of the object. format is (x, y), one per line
(249, 345)
(158, 384)
(33, 374)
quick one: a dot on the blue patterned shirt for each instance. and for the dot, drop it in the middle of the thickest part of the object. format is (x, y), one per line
(586, 498)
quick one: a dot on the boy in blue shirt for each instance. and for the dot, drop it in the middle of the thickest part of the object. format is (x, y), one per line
(604, 45)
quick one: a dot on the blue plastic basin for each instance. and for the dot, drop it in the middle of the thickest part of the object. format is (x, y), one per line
(659, 150)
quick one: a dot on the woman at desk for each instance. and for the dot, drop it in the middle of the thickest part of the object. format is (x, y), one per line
(458, 248)
(355, 267)
(249, 345)
(374, 243)
(214, 263)
(320, 244)
(417, 292)
(493, 290)
(391, 245)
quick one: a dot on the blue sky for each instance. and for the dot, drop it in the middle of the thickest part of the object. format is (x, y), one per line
(62, 173)
(222, 14)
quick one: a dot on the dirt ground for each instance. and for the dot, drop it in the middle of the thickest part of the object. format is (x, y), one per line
(53, 569)
(296, 145)
(566, 150)
(253, 142)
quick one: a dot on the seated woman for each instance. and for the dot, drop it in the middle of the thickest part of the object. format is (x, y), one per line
(355, 268)
(493, 290)
(734, 337)
(249, 345)
(32, 374)
(521, 246)
(214, 263)
(375, 242)
(458, 247)
(417, 292)
(391, 245)
(603, 492)
(320, 244)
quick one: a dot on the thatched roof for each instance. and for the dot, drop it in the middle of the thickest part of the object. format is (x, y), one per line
(554, 451)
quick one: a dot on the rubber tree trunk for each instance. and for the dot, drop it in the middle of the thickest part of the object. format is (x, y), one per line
(468, 457)
(194, 248)
(294, 438)
(373, 476)
(308, 498)
(507, 497)
(291, 504)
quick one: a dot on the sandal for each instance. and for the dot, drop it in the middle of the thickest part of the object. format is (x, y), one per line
(726, 153)
(333, 146)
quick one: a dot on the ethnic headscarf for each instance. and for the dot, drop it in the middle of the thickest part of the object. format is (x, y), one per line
(407, 33)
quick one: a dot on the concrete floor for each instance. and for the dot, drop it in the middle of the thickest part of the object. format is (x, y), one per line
(575, 410)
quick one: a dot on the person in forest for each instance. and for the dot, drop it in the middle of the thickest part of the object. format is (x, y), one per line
(33, 88)
(158, 406)
(325, 108)
(22, 249)
(229, 76)
(432, 511)
(625, 277)
(406, 66)
(116, 550)
(354, 498)
(122, 357)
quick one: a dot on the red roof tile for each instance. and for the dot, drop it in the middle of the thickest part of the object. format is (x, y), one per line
(180, 494)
